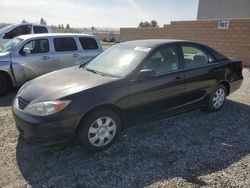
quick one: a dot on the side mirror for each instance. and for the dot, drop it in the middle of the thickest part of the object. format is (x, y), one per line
(145, 73)
(26, 51)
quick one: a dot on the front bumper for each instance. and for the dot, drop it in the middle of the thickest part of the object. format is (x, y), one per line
(44, 131)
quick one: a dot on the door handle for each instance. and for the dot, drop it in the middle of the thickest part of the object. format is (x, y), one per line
(75, 55)
(45, 57)
(177, 78)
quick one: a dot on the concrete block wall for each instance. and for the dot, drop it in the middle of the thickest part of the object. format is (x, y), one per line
(233, 42)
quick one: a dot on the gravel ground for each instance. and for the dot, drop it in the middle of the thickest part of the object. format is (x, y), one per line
(191, 150)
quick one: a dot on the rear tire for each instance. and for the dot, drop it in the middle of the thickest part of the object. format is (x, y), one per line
(217, 98)
(99, 130)
(4, 84)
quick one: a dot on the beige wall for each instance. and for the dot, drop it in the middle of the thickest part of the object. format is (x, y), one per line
(233, 42)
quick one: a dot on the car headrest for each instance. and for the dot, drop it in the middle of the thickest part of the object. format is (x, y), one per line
(201, 59)
(45, 46)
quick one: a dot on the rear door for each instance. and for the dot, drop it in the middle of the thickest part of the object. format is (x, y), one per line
(38, 62)
(66, 52)
(90, 49)
(164, 91)
(201, 72)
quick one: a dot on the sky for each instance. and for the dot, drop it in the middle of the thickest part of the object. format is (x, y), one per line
(98, 13)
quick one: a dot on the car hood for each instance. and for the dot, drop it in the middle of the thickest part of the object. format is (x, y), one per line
(4, 56)
(61, 83)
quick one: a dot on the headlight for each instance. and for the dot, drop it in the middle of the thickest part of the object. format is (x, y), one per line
(46, 108)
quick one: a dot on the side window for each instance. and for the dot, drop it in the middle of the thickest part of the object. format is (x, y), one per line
(194, 57)
(163, 61)
(88, 43)
(65, 44)
(37, 46)
(40, 29)
(20, 30)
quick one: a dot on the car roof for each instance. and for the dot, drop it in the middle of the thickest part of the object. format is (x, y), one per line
(34, 24)
(51, 35)
(153, 43)
(13, 25)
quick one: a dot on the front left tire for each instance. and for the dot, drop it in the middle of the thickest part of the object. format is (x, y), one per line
(4, 84)
(99, 130)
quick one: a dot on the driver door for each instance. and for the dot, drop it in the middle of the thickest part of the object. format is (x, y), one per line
(157, 95)
(35, 63)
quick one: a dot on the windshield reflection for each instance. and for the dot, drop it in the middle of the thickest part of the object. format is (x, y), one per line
(11, 45)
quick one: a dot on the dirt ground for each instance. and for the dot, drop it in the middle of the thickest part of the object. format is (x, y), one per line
(190, 150)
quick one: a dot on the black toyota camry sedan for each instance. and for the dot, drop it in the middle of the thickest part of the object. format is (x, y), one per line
(129, 83)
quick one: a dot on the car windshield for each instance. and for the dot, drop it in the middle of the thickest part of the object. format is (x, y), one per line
(4, 29)
(118, 61)
(11, 45)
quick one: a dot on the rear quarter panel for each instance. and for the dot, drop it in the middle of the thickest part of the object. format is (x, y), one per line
(233, 71)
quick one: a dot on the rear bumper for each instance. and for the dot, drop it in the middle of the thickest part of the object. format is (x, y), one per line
(44, 131)
(235, 85)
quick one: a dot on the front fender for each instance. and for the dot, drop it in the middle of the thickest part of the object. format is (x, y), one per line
(19, 74)
(6, 66)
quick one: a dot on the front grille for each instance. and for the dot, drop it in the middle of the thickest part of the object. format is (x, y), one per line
(22, 103)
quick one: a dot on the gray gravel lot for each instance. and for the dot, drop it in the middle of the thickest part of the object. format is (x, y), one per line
(192, 150)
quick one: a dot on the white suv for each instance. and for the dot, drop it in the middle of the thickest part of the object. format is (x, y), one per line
(13, 30)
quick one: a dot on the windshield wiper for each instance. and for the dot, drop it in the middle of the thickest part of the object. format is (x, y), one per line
(91, 70)
(101, 74)
(95, 72)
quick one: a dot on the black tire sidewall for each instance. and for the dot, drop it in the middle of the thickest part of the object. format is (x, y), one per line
(5, 84)
(85, 124)
(210, 102)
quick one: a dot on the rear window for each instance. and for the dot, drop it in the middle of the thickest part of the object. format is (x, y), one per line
(88, 43)
(217, 55)
(65, 44)
(194, 56)
(40, 29)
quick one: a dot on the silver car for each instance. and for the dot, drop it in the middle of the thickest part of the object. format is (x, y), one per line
(28, 56)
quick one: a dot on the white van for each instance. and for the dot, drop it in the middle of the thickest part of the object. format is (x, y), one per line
(13, 30)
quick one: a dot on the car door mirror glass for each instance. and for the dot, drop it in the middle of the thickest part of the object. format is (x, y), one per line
(145, 73)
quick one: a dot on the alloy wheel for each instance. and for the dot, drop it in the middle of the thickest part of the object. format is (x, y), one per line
(102, 131)
(218, 98)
